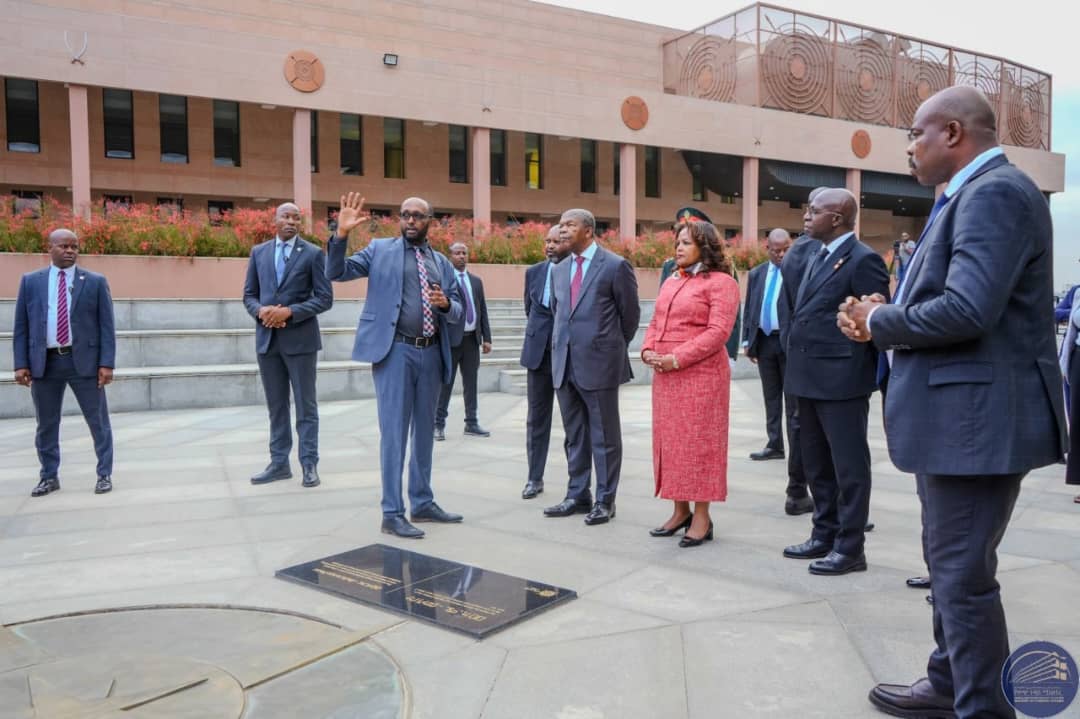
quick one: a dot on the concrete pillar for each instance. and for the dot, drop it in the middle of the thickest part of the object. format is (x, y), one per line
(854, 186)
(301, 153)
(750, 170)
(481, 179)
(627, 190)
(79, 117)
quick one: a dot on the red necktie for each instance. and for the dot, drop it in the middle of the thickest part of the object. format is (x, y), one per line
(63, 337)
(575, 281)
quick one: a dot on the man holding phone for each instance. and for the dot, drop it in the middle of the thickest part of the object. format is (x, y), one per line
(404, 332)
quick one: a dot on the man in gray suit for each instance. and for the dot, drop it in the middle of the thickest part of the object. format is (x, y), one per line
(974, 400)
(536, 358)
(65, 336)
(596, 316)
(285, 291)
(404, 332)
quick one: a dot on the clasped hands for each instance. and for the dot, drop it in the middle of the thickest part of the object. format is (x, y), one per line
(659, 362)
(852, 315)
(274, 316)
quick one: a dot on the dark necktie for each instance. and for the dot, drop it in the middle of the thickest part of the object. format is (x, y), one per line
(819, 260)
(63, 334)
(470, 316)
(425, 296)
(575, 281)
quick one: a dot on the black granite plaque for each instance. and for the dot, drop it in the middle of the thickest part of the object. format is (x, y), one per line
(467, 599)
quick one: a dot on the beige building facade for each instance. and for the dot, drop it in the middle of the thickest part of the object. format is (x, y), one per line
(495, 109)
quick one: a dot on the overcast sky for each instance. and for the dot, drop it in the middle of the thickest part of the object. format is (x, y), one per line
(1035, 33)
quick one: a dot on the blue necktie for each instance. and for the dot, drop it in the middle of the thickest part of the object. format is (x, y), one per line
(282, 257)
(770, 298)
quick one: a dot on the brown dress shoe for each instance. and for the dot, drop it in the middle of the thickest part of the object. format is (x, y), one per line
(918, 701)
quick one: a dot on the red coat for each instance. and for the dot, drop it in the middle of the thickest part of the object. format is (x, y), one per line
(693, 318)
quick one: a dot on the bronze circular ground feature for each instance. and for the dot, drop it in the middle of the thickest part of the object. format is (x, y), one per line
(860, 143)
(304, 71)
(635, 113)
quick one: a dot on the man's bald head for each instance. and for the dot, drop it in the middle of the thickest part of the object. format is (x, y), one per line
(286, 207)
(61, 234)
(777, 245)
(287, 221)
(63, 248)
(950, 130)
(831, 214)
(967, 105)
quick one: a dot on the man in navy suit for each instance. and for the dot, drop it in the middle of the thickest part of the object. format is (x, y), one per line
(467, 341)
(596, 317)
(412, 303)
(65, 336)
(974, 400)
(536, 358)
(285, 291)
(833, 379)
(761, 340)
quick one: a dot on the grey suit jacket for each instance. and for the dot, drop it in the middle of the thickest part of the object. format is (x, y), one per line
(304, 289)
(93, 327)
(975, 387)
(594, 334)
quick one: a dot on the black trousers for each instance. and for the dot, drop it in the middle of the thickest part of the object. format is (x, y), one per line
(466, 356)
(836, 458)
(47, 392)
(541, 396)
(593, 437)
(1072, 470)
(772, 362)
(965, 519)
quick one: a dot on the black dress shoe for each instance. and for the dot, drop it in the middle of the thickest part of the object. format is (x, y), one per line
(929, 598)
(104, 484)
(661, 532)
(440, 434)
(567, 507)
(688, 541)
(532, 489)
(767, 453)
(435, 513)
(810, 549)
(475, 430)
(398, 526)
(836, 563)
(311, 476)
(600, 514)
(798, 505)
(869, 527)
(918, 582)
(45, 486)
(918, 701)
(273, 473)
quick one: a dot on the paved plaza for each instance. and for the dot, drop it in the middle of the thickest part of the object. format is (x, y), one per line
(729, 629)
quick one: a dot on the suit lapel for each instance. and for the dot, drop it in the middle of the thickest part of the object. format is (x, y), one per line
(832, 265)
(594, 269)
(294, 259)
(78, 279)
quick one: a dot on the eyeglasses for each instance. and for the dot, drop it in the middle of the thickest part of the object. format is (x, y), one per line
(406, 216)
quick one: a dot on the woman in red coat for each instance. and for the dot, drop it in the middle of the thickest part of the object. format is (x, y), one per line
(692, 382)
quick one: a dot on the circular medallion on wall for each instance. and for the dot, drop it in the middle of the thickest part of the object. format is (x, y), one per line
(635, 113)
(860, 143)
(304, 71)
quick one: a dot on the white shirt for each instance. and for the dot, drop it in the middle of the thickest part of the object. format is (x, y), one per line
(50, 322)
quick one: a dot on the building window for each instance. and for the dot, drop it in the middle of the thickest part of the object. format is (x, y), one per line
(170, 205)
(615, 166)
(699, 193)
(588, 165)
(28, 202)
(652, 171)
(352, 147)
(534, 161)
(21, 103)
(217, 209)
(393, 148)
(498, 158)
(119, 124)
(172, 112)
(226, 133)
(314, 140)
(459, 153)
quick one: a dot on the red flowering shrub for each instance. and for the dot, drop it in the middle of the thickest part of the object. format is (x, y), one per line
(161, 230)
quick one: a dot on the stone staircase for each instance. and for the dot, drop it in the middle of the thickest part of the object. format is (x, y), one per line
(179, 354)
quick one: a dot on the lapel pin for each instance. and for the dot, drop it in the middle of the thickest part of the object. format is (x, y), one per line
(839, 263)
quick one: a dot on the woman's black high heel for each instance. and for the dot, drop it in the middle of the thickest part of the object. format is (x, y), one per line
(688, 541)
(661, 532)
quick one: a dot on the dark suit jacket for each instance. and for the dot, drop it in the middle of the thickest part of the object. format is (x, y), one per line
(383, 263)
(975, 388)
(483, 325)
(93, 328)
(304, 290)
(792, 269)
(821, 362)
(755, 295)
(595, 334)
(538, 319)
